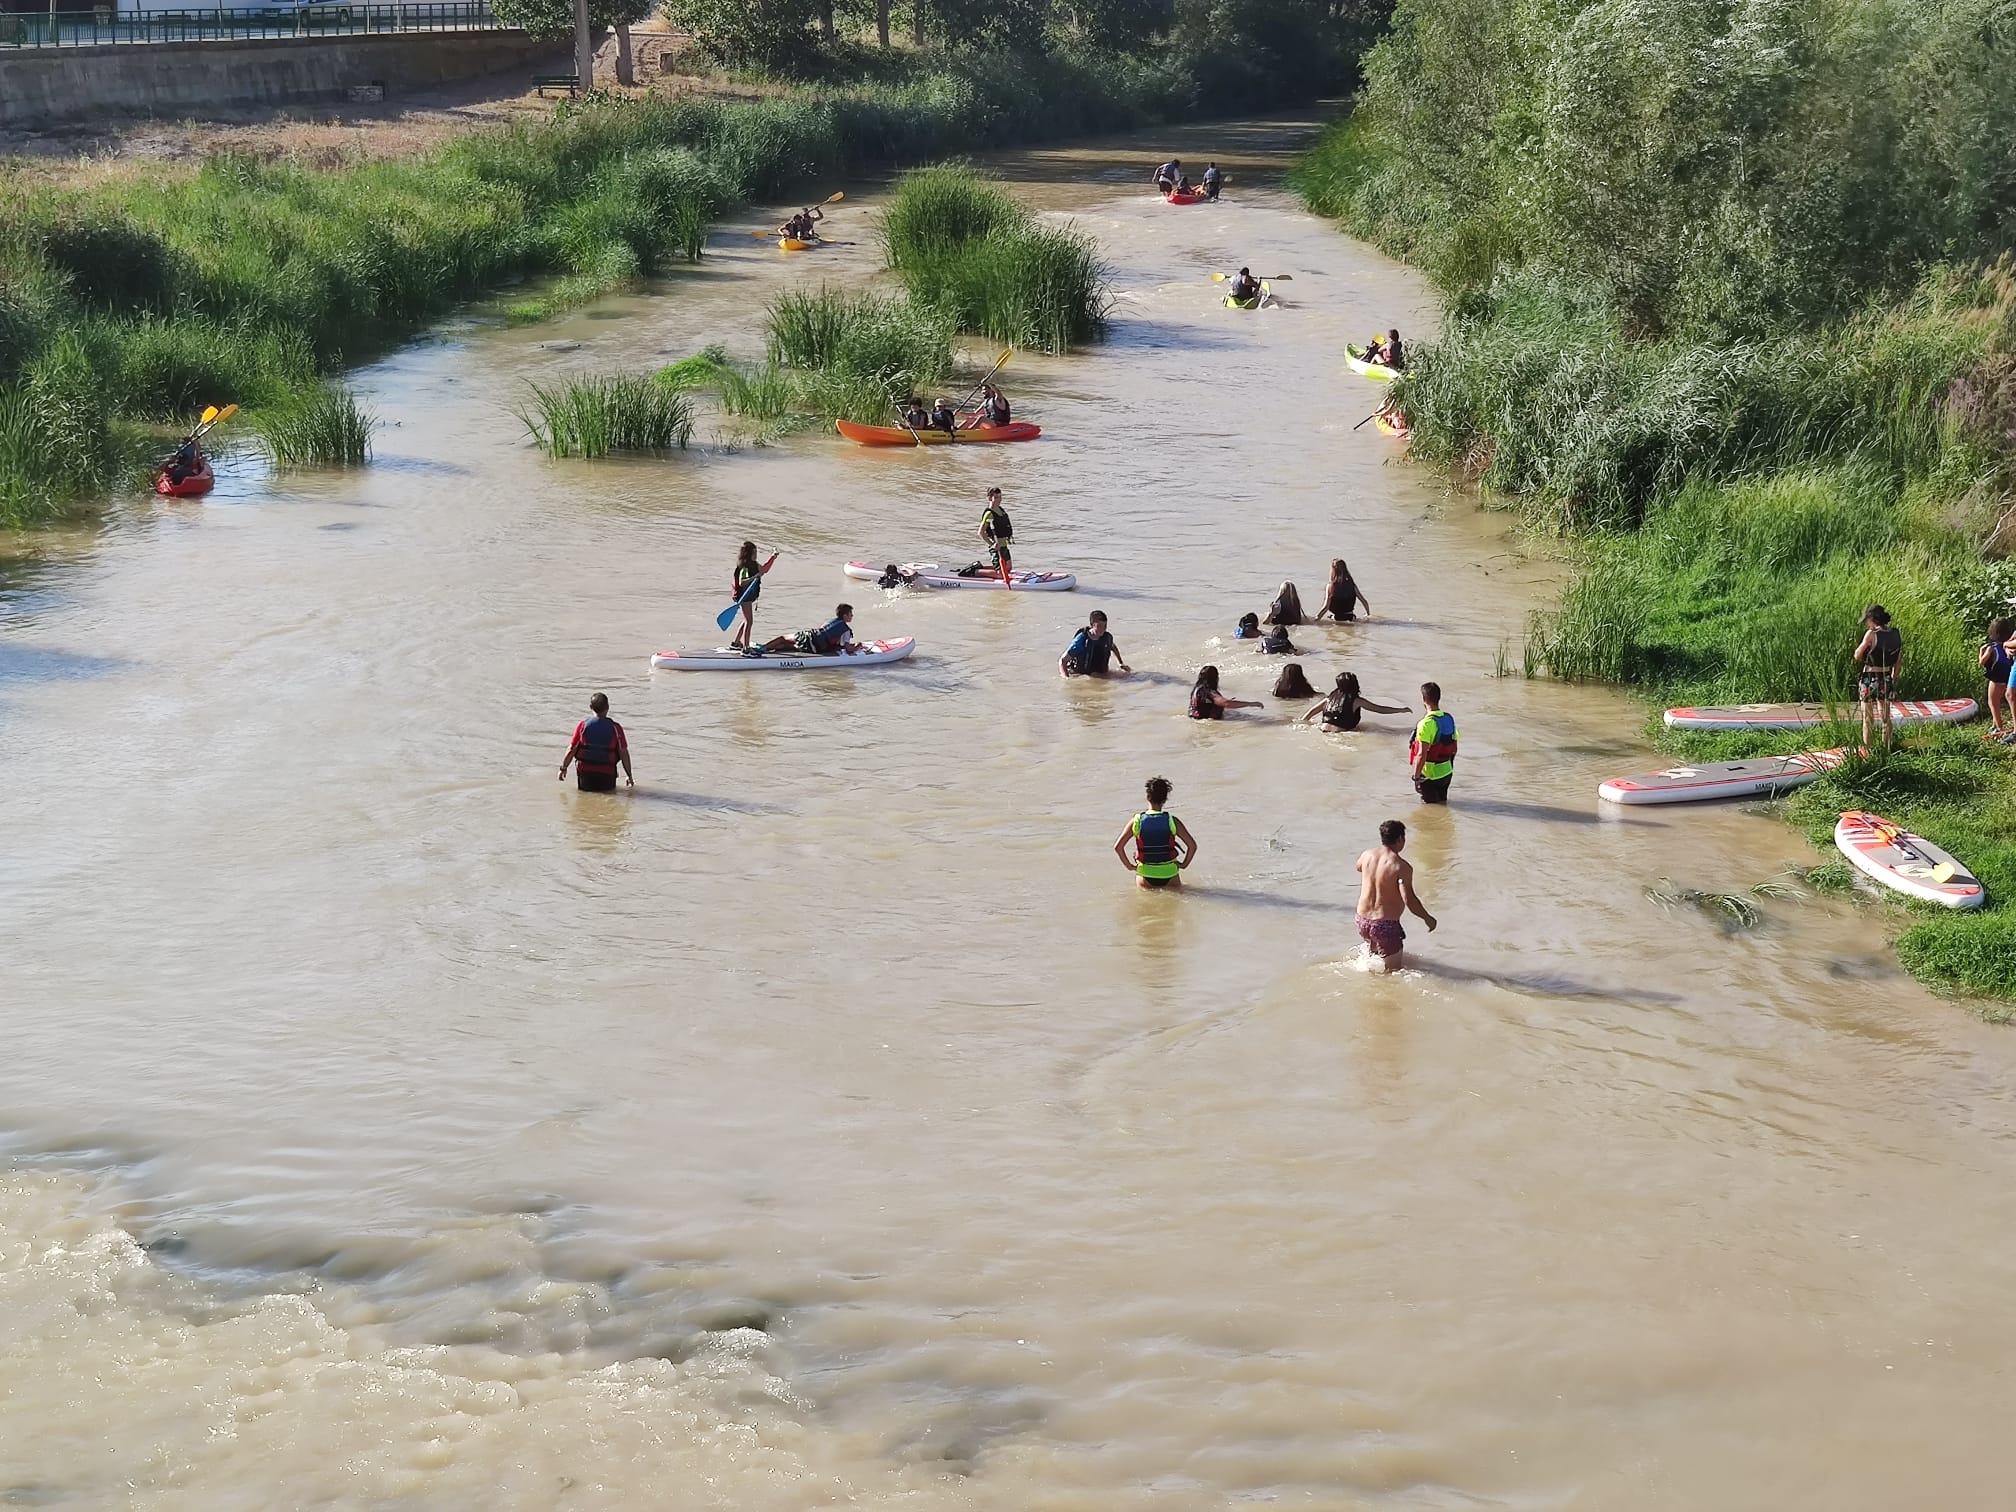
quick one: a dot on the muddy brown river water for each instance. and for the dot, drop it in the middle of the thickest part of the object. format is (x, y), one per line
(388, 1126)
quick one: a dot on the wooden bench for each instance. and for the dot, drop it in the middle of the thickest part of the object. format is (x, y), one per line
(569, 82)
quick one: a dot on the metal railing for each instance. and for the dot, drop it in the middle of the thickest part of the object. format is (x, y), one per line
(103, 26)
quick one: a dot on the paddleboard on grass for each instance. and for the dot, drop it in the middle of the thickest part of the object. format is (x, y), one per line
(1723, 779)
(1905, 862)
(728, 659)
(931, 575)
(1800, 716)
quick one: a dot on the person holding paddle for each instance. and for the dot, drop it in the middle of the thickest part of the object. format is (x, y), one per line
(997, 534)
(803, 226)
(993, 408)
(1245, 286)
(748, 588)
(187, 458)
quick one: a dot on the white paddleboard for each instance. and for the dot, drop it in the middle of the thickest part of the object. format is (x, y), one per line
(1723, 779)
(1800, 716)
(728, 659)
(931, 575)
(1905, 862)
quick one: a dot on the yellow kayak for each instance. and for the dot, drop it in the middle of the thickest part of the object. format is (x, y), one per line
(792, 244)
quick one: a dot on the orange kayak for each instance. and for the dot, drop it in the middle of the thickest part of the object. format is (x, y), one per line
(896, 435)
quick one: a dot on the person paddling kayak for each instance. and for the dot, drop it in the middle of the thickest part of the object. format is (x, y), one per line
(1244, 286)
(1163, 848)
(188, 459)
(597, 749)
(1387, 351)
(993, 409)
(802, 226)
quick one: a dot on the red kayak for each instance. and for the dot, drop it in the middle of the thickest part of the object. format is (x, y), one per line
(1192, 198)
(896, 435)
(192, 486)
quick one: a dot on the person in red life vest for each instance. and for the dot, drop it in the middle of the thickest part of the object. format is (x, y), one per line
(597, 749)
(1433, 748)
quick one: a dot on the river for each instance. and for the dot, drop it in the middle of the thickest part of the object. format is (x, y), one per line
(387, 1125)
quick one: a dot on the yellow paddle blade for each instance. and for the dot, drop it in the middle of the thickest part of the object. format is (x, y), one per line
(836, 196)
(1220, 277)
(1943, 872)
(226, 413)
(209, 414)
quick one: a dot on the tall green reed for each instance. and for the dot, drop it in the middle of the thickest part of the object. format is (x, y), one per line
(604, 413)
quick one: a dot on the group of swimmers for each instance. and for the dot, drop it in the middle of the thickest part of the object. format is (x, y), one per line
(1171, 179)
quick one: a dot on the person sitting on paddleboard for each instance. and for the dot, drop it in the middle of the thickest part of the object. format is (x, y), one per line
(1206, 702)
(1248, 627)
(748, 571)
(1286, 608)
(1342, 709)
(1162, 846)
(1213, 181)
(993, 410)
(597, 749)
(1245, 286)
(1169, 175)
(1880, 654)
(1432, 751)
(1091, 649)
(1293, 683)
(1995, 661)
(1388, 892)
(834, 638)
(1342, 597)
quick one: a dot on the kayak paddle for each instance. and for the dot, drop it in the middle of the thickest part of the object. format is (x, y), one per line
(1275, 278)
(831, 199)
(1370, 418)
(1894, 835)
(727, 616)
(967, 402)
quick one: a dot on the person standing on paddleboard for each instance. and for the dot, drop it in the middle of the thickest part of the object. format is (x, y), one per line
(1386, 893)
(1091, 649)
(748, 589)
(1880, 655)
(597, 749)
(1433, 748)
(1162, 846)
(997, 534)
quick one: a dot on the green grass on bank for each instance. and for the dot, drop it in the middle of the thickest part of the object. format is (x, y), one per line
(126, 306)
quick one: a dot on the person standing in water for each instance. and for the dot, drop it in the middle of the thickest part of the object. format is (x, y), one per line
(1433, 748)
(1162, 846)
(1345, 705)
(749, 581)
(1212, 182)
(597, 749)
(1091, 650)
(1880, 655)
(1340, 601)
(1385, 893)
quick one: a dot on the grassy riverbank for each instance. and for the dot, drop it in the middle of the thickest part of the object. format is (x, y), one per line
(127, 304)
(1731, 313)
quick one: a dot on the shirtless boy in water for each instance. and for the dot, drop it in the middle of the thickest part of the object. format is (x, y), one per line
(1387, 893)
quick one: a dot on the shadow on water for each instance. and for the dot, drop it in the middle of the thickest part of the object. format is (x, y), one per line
(702, 801)
(1545, 813)
(1541, 984)
(1253, 898)
(37, 664)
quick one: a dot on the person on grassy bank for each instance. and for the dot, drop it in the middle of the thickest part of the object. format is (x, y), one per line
(1432, 751)
(1996, 661)
(597, 749)
(1880, 657)
(1163, 848)
(1385, 893)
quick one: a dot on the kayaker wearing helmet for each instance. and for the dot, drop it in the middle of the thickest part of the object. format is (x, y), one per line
(1169, 175)
(1162, 846)
(597, 749)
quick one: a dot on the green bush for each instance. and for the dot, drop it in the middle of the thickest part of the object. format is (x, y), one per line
(594, 416)
(322, 426)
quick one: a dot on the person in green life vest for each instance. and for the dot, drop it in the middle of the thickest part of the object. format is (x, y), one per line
(1433, 748)
(1162, 846)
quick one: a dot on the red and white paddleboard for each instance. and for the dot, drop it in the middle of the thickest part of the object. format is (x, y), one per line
(1905, 862)
(1723, 779)
(931, 575)
(1800, 716)
(730, 659)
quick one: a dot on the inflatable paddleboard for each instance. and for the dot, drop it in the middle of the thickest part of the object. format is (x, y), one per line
(1905, 862)
(1723, 779)
(931, 575)
(1800, 716)
(728, 659)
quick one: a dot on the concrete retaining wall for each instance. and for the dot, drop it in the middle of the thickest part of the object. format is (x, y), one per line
(60, 85)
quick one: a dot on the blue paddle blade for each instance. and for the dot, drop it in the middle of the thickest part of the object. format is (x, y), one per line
(727, 616)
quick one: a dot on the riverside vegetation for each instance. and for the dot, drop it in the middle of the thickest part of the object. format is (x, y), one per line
(1731, 307)
(126, 305)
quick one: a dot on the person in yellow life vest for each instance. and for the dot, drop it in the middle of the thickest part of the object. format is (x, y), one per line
(1162, 846)
(1433, 748)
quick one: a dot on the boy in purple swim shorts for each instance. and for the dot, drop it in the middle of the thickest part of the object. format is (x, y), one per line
(1388, 892)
